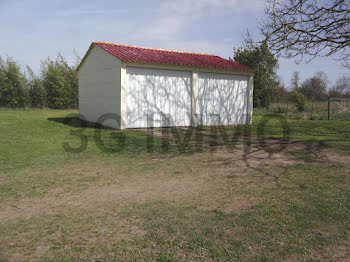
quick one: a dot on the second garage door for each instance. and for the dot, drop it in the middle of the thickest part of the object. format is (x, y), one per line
(164, 95)
(222, 99)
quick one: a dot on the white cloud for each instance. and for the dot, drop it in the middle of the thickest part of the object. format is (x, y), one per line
(84, 11)
(205, 7)
(174, 16)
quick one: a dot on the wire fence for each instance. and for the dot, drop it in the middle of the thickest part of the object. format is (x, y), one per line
(339, 109)
(333, 109)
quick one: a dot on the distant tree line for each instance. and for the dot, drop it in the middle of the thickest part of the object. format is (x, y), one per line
(56, 86)
(315, 88)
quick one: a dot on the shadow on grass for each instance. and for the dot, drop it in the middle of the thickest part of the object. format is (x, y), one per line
(109, 140)
(78, 123)
(179, 142)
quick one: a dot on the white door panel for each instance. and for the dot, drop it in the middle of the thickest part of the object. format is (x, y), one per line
(161, 93)
(222, 99)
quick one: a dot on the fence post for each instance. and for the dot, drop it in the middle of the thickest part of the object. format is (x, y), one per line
(312, 110)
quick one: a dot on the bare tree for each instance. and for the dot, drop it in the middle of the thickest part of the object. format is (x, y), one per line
(308, 28)
(294, 82)
(315, 87)
(341, 88)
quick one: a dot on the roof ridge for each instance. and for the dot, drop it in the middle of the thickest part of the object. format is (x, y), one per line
(156, 49)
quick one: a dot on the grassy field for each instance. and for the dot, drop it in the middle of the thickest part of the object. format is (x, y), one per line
(278, 190)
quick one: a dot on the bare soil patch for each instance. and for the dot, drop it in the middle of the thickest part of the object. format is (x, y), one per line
(267, 151)
(181, 178)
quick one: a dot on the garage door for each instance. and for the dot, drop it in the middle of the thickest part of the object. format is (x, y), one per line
(222, 99)
(161, 97)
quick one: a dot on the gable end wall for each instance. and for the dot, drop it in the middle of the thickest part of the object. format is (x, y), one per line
(99, 88)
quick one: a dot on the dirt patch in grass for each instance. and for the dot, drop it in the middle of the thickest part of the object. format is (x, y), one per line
(224, 181)
(252, 157)
(331, 156)
(259, 151)
(332, 253)
(145, 181)
(181, 178)
(306, 153)
(120, 194)
(74, 230)
(230, 204)
(221, 179)
(184, 178)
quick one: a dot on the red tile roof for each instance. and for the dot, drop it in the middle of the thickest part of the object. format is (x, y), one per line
(169, 57)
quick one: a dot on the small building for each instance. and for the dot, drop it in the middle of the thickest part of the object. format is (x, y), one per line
(124, 86)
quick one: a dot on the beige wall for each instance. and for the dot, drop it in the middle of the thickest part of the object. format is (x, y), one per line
(100, 86)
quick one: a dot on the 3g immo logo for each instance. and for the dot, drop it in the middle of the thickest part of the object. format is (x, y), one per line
(183, 139)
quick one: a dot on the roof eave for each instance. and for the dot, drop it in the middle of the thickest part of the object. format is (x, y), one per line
(248, 70)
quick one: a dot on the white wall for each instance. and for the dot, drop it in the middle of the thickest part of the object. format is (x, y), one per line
(153, 93)
(242, 79)
(223, 99)
(99, 86)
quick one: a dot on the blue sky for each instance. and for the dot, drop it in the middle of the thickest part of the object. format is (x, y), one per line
(32, 30)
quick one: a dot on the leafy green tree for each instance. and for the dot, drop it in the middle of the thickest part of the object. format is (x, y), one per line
(61, 83)
(71, 83)
(57, 86)
(36, 90)
(53, 81)
(14, 93)
(265, 78)
(300, 101)
(2, 80)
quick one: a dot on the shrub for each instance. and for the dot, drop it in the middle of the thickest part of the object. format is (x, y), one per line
(279, 110)
(300, 101)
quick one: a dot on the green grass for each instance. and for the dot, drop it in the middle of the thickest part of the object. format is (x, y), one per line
(132, 205)
(36, 138)
(290, 223)
(321, 133)
(317, 111)
(332, 134)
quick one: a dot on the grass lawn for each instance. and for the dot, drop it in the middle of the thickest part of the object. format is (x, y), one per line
(217, 199)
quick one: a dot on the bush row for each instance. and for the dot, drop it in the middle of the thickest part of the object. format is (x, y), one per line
(56, 86)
